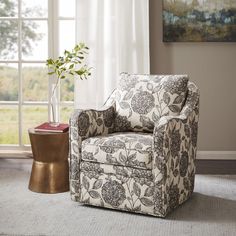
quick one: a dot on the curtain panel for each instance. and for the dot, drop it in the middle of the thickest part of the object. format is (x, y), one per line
(117, 33)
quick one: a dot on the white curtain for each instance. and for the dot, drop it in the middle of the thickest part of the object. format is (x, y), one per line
(117, 33)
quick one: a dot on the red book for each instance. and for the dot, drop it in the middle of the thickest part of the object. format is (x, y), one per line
(45, 127)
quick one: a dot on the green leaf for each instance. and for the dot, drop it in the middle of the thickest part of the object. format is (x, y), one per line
(79, 72)
(66, 64)
(50, 61)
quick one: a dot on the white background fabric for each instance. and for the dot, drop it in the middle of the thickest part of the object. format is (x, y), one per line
(117, 33)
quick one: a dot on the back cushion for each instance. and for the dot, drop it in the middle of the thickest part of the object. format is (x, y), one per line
(142, 99)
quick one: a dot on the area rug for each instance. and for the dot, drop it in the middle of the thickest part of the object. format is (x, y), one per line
(210, 211)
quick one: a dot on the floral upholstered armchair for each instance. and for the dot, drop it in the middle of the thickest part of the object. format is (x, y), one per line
(137, 153)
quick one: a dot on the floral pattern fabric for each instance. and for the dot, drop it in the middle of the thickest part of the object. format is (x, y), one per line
(156, 188)
(141, 100)
(117, 187)
(174, 153)
(126, 149)
(85, 124)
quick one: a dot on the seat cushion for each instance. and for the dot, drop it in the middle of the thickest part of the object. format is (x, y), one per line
(141, 100)
(128, 149)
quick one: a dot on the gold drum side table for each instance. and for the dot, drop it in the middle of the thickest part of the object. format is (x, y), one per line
(50, 169)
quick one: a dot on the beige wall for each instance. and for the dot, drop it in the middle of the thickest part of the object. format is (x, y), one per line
(212, 66)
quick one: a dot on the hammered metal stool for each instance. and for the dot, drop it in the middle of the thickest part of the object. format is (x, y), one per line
(50, 169)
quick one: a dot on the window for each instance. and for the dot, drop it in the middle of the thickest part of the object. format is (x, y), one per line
(30, 32)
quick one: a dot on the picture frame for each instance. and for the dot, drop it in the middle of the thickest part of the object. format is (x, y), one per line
(199, 20)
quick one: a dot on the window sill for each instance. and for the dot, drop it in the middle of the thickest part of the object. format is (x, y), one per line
(13, 154)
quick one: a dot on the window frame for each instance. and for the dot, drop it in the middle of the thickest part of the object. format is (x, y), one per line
(53, 21)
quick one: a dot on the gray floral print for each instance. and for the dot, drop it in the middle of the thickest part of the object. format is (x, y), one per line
(137, 154)
(113, 193)
(142, 100)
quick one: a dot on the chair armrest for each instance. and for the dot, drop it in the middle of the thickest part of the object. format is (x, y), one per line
(169, 129)
(84, 124)
(174, 152)
(174, 134)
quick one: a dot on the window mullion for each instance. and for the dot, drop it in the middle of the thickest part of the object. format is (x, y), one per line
(66, 18)
(9, 103)
(34, 18)
(23, 61)
(20, 96)
(9, 61)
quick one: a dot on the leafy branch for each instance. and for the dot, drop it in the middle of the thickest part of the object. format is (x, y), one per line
(71, 64)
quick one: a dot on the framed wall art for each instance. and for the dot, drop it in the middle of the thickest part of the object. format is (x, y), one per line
(199, 20)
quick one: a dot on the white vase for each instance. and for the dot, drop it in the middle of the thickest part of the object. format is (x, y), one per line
(54, 119)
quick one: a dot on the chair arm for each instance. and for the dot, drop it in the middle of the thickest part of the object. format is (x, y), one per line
(84, 124)
(174, 152)
(175, 134)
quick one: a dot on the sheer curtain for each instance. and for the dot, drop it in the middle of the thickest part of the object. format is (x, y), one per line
(117, 33)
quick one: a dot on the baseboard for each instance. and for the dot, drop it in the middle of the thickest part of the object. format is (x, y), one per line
(216, 155)
(216, 167)
(213, 166)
